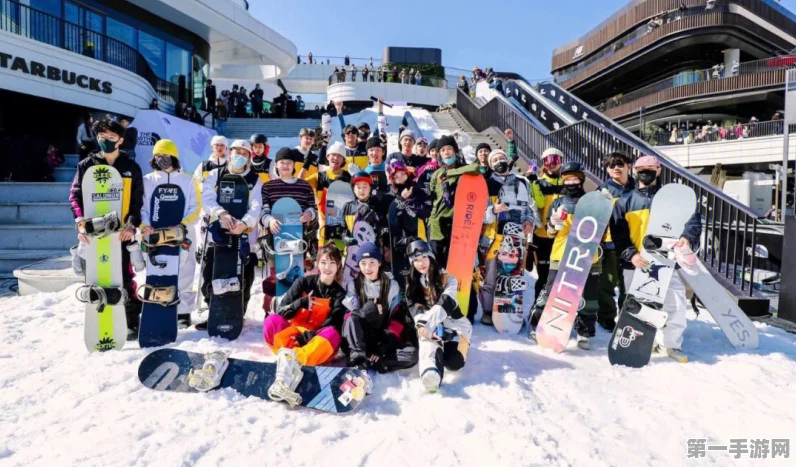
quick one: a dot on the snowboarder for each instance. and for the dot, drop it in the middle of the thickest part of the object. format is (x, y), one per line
(307, 322)
(167, 171)
(546, 189)
(321, 181)
(515, 206)
(239, 163)
(306, 161)
(482, 152)
(558, 224)
(443, 332)
(376, 168)
(369, 206)
(406, 155)
(378, 331)
(218, 158)
(628, 225)
(261, 164)
(110, 136)
(618, 166)
(423, 178)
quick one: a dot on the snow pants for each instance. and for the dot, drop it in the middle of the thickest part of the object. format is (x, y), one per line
(610, 279)
(544, 246)
(322, 348)
(185, 280)
(362, 340)
(450, 350)
(675, 305)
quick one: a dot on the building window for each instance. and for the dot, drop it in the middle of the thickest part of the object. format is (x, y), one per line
(122, 44)
(154, 51)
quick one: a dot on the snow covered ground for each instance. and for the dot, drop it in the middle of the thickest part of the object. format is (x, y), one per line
(513, 404)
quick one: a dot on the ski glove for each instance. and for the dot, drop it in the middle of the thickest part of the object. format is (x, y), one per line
(370, 313)
(431, 318)
(367, 215)
(304, 338)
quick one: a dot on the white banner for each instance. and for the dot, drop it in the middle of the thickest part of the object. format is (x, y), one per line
(192, 140)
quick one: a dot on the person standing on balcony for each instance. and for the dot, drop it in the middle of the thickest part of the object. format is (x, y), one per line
(371, 72)
(221, 116)
(418, 78)
(371, 62)
(736, 68)
(353, 73)
(154, 104)
(545, 190)
(309, 58)
(257, 101)
(347, 60)
(628, 226)
(86, 141)
(210, 96)
(462, 84)
(364, 73)
(300, 106)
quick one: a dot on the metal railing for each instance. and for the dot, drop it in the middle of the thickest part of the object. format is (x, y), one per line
(698, 76)
(731, 230)
(384, 76)
(339, 61)
(35, 24)
(716, 133)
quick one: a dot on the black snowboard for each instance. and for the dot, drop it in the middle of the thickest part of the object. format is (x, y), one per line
(328, 389)
(159, 323)
(632, 340)
(403, 228)
(225, 318)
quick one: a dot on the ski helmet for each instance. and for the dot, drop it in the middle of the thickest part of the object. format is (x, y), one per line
(396, 166)
(362, 176)
(418, 248)
(258, 138)
(572, 167)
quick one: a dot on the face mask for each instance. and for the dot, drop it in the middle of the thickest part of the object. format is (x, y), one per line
(502, 167)
(450, 161)
(239, 161)
(646, 177)
(163, 162)
(508, 268)
(107, 146)
(571, 190)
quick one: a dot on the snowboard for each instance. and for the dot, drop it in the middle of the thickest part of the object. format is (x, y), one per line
(468, 218)
(507, 305)
(159, 323)
(289, 254)
(403, 227)
(225, 318)
(363, 233)
(323, 388)
(105, 327)
(649, 287)
(738, 328)
(334, 200)
(588, 226)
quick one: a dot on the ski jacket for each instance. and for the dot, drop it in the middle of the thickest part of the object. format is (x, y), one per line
(308, 162)
(378, 203)
(413, 161)
(191, 190)
(526, 212)
(132, 182)
(321, 180)
(440, 211)
(616, 191)
(560, 239)
(629, 223)
(204, 169)
(416, 203)
(426, 297)
(313, 305)
(545, 189)
(210, 197)
(391, 326)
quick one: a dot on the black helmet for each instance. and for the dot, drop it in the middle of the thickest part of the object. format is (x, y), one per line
(258, 138)
(572, 166)
(418, 248)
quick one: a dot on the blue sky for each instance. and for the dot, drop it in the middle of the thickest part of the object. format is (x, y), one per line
(508, 35)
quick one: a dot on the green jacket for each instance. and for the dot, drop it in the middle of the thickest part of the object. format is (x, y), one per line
(439, 209)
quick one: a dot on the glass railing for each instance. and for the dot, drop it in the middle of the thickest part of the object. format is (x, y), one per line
(34, 24)
(716, 133)
(385, 76)
(339, 61)
(697, 76)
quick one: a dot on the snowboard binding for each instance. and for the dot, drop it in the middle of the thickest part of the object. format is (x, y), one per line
(176, 236)
(288, 377)
(101, 296)
(511, 284)
(223, 286)
(102, 226)
(209, 376)
(163, 296)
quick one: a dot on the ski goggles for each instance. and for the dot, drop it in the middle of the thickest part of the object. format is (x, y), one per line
(553, 159)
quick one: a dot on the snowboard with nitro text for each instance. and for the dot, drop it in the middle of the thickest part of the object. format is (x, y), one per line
(323, 388)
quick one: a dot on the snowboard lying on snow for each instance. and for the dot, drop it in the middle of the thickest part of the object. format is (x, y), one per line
(323, 388)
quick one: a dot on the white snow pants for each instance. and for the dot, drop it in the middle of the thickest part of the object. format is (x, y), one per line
(185, 282)
(675, 305)
(451, 354)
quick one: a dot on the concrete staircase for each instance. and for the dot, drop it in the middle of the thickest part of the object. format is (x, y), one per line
(243, 128)
(36, 225)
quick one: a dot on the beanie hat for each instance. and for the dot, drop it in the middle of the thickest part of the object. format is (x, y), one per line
(336, 148)
(369, 250)
(218, 139)
(495, 153)
(432, 144)
(483, 146)
(448, 140)
(241, 143)
(407, 134)
(647, 161)
(283, 154)
(166, 147)
(362, 176)
(373, 142)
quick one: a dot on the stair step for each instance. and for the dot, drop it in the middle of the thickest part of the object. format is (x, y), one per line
(71, 160)
(36, 236)
(26, 192)
(15, 259)
(65, 173)
(35, 213)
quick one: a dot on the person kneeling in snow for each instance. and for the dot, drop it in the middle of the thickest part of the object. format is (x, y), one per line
(378, 331)
(443, 331)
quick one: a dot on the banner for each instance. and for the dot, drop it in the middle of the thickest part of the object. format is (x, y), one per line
(192, 140)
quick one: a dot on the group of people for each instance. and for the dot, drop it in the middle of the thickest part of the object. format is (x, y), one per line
(712, 132)
(380, 74)
(379, 320)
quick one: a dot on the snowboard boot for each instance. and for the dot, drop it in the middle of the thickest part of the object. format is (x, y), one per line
(101, 227)
(531, 334)
(209, 376)
(607, 324)
(677, 355)
(431, 379)
(133, 322)
(288, 377)
(201, 326)
(184, 321)
(584, 343)
(101, 296)
(486, 319)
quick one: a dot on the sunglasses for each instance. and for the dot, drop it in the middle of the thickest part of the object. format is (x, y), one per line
(352, 133)
(614, 165)
(552, 160)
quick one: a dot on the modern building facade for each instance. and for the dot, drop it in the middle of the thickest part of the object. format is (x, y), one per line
(674, 62)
